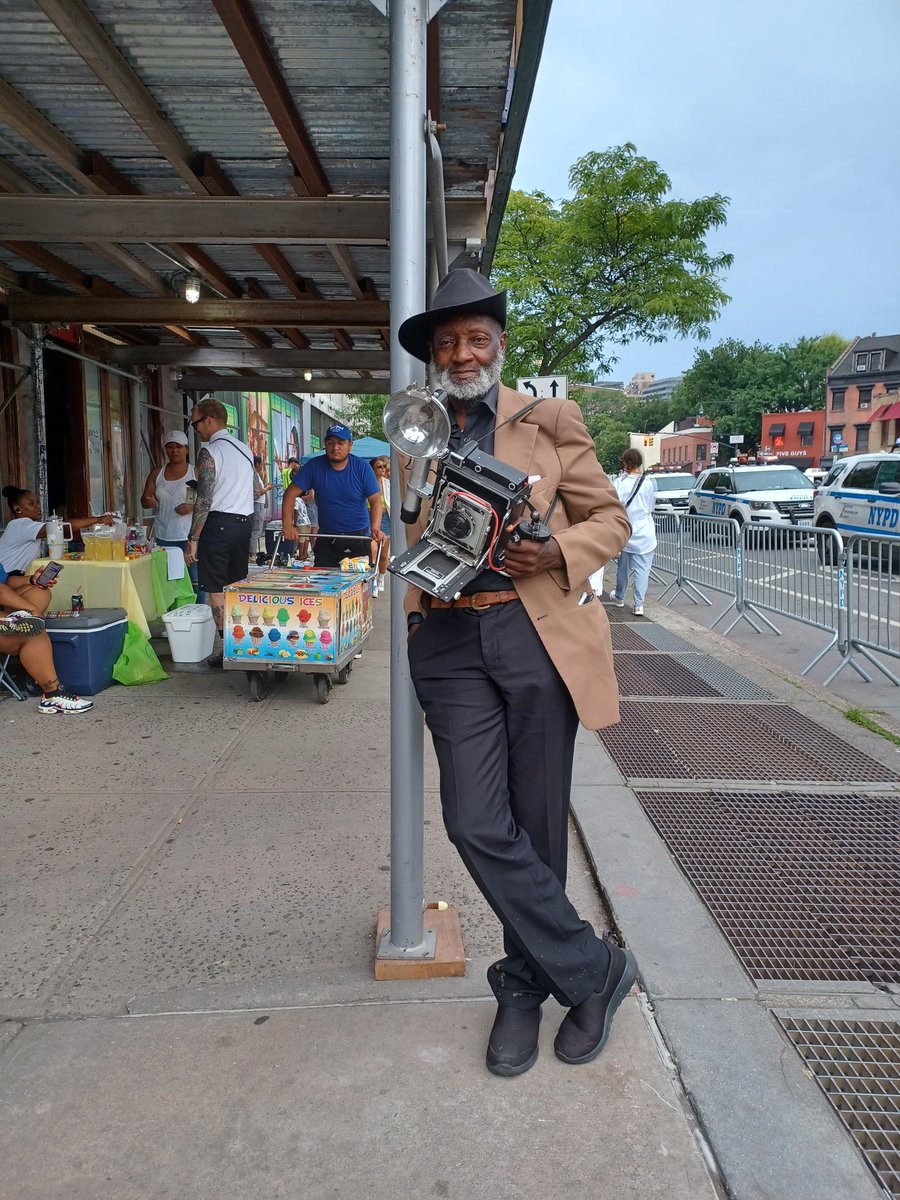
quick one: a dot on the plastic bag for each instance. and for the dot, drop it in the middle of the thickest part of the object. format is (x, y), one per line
(138, 662)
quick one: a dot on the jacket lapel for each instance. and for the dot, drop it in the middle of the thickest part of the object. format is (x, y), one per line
(514, 443)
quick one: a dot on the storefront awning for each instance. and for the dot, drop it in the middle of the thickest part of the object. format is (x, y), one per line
(886, 412)
(805, 427)
(776, 430)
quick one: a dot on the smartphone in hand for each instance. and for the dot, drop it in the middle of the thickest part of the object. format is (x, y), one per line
(48, 574)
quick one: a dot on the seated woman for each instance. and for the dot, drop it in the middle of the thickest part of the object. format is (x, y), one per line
(20, 541)
(22, 633)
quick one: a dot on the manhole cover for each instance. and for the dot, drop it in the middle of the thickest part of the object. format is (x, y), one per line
(857, 1066)
(803, 886)
(656, 740)
(658, 675)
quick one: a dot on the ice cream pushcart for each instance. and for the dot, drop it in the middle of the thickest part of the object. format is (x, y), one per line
(297, 620)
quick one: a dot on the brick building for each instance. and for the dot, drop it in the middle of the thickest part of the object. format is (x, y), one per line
(862, 410)
(794, 437)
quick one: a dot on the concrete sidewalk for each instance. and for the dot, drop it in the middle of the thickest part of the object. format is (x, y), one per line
(190, 883)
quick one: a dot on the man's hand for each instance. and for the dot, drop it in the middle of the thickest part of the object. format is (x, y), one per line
(526, 558)
(190, 555)
(289, 533)
(377, 540)
(184, 510)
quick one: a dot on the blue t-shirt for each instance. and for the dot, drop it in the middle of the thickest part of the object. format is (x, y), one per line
(341, 496)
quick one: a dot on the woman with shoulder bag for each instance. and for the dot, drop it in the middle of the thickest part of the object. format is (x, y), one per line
(637, 492)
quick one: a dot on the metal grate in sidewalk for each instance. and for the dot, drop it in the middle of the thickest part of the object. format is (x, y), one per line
(726, 682)
(627, 639)
(657, 740)
(662, 639)
(658, 675)
(857, 1066)
(803, 886)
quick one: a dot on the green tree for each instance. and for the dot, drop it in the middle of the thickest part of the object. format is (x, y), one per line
(619, 260)
(809, 359)
(365, 414)
(610, 442)
(735, 383)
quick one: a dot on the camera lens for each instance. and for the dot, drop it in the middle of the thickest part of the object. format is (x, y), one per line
(457, 523)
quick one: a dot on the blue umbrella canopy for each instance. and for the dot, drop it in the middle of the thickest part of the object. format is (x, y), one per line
(365, 447)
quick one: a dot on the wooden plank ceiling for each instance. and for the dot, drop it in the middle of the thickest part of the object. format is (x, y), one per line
(246, 141)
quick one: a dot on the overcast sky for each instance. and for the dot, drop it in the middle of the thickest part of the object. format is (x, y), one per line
(789, 107)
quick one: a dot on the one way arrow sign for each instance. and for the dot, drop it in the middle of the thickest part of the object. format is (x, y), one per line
(544, 385)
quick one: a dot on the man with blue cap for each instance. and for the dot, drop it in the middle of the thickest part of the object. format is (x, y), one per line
(348, 497)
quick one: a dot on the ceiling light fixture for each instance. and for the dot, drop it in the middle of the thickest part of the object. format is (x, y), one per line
(307, 375)
(192, 283)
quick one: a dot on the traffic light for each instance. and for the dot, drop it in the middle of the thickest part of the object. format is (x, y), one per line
(648, 441)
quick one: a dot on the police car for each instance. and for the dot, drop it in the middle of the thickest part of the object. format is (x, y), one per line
(672, 491)
(861, 494)
(775, 495)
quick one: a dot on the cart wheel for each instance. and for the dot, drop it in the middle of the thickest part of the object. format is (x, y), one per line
(344, 673)
(257, 686)
(323, 688)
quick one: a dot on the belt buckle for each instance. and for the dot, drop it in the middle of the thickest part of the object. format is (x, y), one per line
(479, 608)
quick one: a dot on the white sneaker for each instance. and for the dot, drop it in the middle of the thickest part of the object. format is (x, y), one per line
(64, 702)
(638, 610)
(21, 624)
(617, 603)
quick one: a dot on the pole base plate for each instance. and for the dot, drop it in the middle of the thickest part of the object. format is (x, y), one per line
(447, 960)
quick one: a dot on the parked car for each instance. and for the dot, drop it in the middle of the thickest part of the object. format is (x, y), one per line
(765, 495)
(815, 475)
(672, 491)
(861, 494)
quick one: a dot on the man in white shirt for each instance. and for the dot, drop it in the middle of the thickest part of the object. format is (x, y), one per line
(220, 530)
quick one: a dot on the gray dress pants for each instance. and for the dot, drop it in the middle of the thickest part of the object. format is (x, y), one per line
(504, 728)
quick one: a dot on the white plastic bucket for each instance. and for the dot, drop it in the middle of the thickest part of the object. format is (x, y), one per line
(191, 631)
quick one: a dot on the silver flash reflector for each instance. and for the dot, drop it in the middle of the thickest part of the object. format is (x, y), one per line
(416, 423)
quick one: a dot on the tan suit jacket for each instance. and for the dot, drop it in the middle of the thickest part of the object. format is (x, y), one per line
(590, 525)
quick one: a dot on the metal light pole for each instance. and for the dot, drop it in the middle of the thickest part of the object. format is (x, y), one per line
(408, 21)
(40, 415)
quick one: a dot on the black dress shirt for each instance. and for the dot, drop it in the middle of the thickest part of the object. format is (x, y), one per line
(480, 422)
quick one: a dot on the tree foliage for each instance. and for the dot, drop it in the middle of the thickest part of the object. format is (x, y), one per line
(735, 383)
(364, 414)
(619, 260)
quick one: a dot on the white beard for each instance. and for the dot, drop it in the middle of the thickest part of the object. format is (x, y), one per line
(469, 390)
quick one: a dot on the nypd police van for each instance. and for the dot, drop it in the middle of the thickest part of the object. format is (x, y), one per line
(861, 494)
(775, 494)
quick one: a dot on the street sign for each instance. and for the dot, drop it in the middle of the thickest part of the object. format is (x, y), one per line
(736, 439)
(544, 385)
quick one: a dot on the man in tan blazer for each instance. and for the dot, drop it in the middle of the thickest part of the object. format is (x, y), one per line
(505, 672)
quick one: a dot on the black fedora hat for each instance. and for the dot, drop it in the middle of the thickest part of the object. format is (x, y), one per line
(460, 291)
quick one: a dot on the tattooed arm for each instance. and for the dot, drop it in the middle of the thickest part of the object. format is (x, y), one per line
(206, 482)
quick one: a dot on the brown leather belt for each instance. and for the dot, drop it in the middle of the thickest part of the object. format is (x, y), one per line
(479, 601)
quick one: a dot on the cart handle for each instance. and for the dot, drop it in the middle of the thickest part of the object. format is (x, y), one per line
(350, 537)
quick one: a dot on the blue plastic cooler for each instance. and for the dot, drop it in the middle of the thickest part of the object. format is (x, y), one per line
(86, 646)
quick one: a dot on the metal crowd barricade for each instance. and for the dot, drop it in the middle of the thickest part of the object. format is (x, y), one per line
(708, 557)
(796, 572)
(665, 557)
(872, 608)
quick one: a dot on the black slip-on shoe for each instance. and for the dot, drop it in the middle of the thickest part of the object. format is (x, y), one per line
(216, 660)
(585, 1028)
(513, 1044)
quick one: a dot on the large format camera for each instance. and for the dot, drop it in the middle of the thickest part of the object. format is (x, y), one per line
(474, 499)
